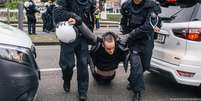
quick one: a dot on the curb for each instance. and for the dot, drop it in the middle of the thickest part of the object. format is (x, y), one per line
(45, 43)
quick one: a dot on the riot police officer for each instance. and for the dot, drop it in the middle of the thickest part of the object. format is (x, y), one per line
(139, 21)
(31, 18)
(75, 12)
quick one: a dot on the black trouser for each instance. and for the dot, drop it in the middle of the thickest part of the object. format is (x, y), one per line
(31, 20)
(44, 18)
(140, 58)
(136, 79)
(67, 63)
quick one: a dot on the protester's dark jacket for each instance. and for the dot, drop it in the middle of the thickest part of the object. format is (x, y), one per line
(103, 61)
(81, 10)
(136, 22)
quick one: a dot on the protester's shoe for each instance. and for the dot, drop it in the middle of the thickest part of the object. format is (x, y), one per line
(66, 86)
(128, 87)
(137, 96)
(82, 98)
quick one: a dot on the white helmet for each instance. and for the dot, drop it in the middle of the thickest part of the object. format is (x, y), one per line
(26, 4)
(47, 4)
(65, 32)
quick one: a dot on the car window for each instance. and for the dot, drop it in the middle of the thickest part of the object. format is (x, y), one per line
(198, 13)
(178, 14)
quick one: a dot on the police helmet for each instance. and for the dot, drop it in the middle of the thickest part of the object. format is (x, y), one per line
(26, 4)
(65, 32)
(46, 4)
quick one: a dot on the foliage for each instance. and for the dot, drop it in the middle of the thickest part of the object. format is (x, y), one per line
(12, 4)
(113, 17)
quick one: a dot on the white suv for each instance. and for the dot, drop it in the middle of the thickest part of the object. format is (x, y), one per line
(177, 51)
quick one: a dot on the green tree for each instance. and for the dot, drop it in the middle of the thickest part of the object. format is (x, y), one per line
(12, 4)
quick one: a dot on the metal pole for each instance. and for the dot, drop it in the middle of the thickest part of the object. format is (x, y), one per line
(8, 12)
(20, 14)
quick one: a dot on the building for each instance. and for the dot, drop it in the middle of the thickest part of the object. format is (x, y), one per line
(113, 6)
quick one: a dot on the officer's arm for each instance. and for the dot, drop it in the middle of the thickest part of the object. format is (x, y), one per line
(146, 28)
(124, 19)
(93, 9)
(60, 14)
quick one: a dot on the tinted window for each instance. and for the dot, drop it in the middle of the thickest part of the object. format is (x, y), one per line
(181, 14)
(198, 13)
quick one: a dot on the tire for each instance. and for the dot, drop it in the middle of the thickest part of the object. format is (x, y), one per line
(199, 90)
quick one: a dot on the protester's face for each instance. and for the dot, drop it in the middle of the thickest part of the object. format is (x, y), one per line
(137, 1)
(109, 47)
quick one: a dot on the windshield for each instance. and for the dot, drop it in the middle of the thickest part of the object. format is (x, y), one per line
(176, 14)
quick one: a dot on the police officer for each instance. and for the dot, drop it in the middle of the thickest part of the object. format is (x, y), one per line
(50, 23)
(45, 17)
(75, 12)
(139, 21)
(31, 18)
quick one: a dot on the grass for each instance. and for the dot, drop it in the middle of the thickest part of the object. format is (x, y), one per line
(44, 38)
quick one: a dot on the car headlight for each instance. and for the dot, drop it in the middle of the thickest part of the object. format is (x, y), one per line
(16, 54)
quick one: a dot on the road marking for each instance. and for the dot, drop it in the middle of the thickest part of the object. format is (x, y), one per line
(58, 69)
(50, 69)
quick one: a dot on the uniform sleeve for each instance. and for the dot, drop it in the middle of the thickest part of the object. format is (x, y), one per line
(124, 19)
(60, 14)
(93, 9)
(146, 28)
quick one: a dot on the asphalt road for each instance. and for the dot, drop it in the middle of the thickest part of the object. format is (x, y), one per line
(157, 87)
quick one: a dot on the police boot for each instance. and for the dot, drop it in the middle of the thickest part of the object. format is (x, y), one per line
(66, 85)
(137, 96)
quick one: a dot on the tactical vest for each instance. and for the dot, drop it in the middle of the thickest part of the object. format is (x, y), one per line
(83, 8)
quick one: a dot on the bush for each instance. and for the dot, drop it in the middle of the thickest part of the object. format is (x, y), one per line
(113, 17)
(13, 4)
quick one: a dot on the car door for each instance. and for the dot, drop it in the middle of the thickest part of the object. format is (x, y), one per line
(193, 53)
(170, 47)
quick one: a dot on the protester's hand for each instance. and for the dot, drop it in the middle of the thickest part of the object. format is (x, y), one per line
(157, 29)
(71, 21)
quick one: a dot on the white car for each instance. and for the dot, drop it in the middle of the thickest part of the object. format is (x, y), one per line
(177, 51)
(19, 74)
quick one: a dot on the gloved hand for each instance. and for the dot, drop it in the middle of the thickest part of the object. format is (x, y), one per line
(124, 39)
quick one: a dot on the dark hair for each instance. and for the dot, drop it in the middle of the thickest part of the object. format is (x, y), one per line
(109, 37)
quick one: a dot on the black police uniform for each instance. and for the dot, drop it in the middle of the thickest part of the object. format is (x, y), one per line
(135, 21)
(31, 18)
(82, 11)
(49, 13)
(45, 20)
